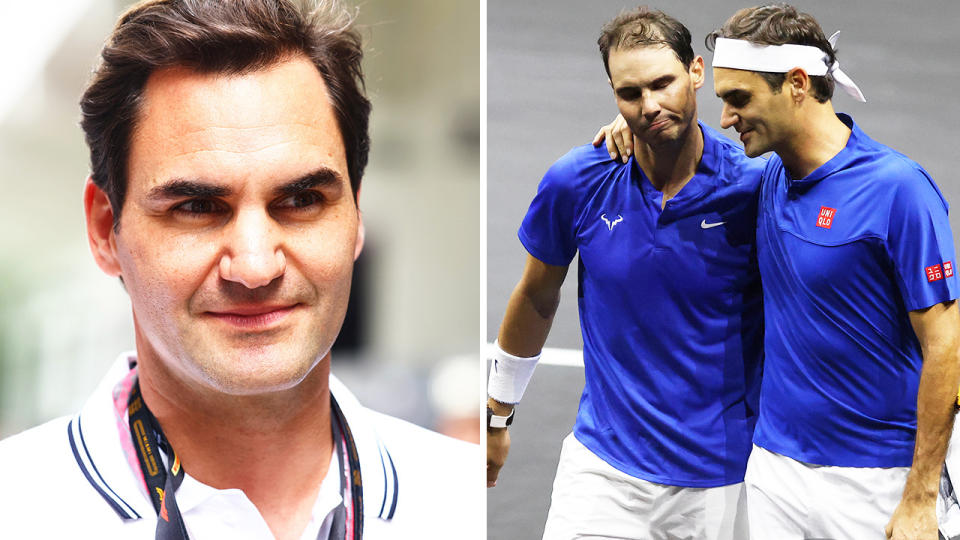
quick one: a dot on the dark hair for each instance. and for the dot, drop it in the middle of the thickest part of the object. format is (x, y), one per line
(642, 27)
(777, 24)
(219, 36)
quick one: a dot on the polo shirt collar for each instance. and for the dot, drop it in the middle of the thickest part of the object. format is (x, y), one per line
(97, 438)
(711, 154)
(234, 506)
(702, 177)
(842, 160)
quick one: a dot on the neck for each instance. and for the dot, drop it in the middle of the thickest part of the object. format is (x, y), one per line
(671, 165)
(819, 136)
(275, 447)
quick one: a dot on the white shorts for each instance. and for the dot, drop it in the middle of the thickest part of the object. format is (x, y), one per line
(948, 506)
(791, 500)
(592, 499)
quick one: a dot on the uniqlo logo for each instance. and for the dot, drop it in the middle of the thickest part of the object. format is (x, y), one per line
(825, 219)
(935, 273)
(948, 269)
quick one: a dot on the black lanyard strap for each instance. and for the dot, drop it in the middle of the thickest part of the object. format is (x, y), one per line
(162, 481)
(161, 485)
(349, 458)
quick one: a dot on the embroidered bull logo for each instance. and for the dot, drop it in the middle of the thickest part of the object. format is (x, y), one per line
(611, 224)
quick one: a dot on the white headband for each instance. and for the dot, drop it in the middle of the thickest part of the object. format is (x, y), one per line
(740, 54)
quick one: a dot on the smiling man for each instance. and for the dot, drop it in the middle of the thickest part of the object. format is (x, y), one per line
(669, 307)
(862, 327)
(228, 141)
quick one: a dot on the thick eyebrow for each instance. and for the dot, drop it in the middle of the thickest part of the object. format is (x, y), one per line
(732, 93)
(322, 177)
(668, 77)
(181, 188)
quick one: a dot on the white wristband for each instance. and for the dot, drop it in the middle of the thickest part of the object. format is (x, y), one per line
(509, 375)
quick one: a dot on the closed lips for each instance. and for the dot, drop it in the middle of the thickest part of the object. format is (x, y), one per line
(253, 316)
(659, 123)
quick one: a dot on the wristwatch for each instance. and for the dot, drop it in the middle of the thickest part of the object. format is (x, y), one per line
(494, 421)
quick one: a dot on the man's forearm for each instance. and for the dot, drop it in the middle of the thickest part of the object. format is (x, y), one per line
(522, 333)
(936, 399)
(527, 322)
(524, 330)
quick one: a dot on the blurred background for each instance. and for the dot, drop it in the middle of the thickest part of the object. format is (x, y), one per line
(547, 92)
(410, 346)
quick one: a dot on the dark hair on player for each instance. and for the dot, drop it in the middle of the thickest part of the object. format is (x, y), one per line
(219, 36)
(642, 27)
(777, 24)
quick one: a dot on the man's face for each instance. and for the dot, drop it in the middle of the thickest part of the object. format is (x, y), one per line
(761, 117)
(239, 230)
(655, 94)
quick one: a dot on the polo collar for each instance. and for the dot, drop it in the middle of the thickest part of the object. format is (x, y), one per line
(703, 177)
(97, 436)
(844, 157)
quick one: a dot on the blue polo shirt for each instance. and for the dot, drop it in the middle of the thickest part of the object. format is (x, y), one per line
(670, 308)
(845, 254)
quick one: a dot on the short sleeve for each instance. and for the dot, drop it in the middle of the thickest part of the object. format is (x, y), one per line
(548, 231)
(920, 243)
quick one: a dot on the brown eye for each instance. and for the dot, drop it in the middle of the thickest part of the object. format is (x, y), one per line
(198, 207)
(306, 199)
(301, 200)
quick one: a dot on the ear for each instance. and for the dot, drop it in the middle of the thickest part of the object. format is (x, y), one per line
(697, 73)
(797, 82)
(361, 232)
(100, 232)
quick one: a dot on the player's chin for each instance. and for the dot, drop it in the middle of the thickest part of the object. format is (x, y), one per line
(674, 131)
(752, 149)
(260, 369)
(661, 136)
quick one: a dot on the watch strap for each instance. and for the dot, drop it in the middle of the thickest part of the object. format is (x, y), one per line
(496, 421)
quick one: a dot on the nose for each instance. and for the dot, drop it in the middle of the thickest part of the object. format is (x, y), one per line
(253, 256)
(727, 117)
(649, 105)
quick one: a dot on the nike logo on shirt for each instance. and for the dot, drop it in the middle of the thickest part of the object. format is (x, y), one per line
(705, 225)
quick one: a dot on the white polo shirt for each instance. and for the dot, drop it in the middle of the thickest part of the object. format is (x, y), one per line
(71, 478)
